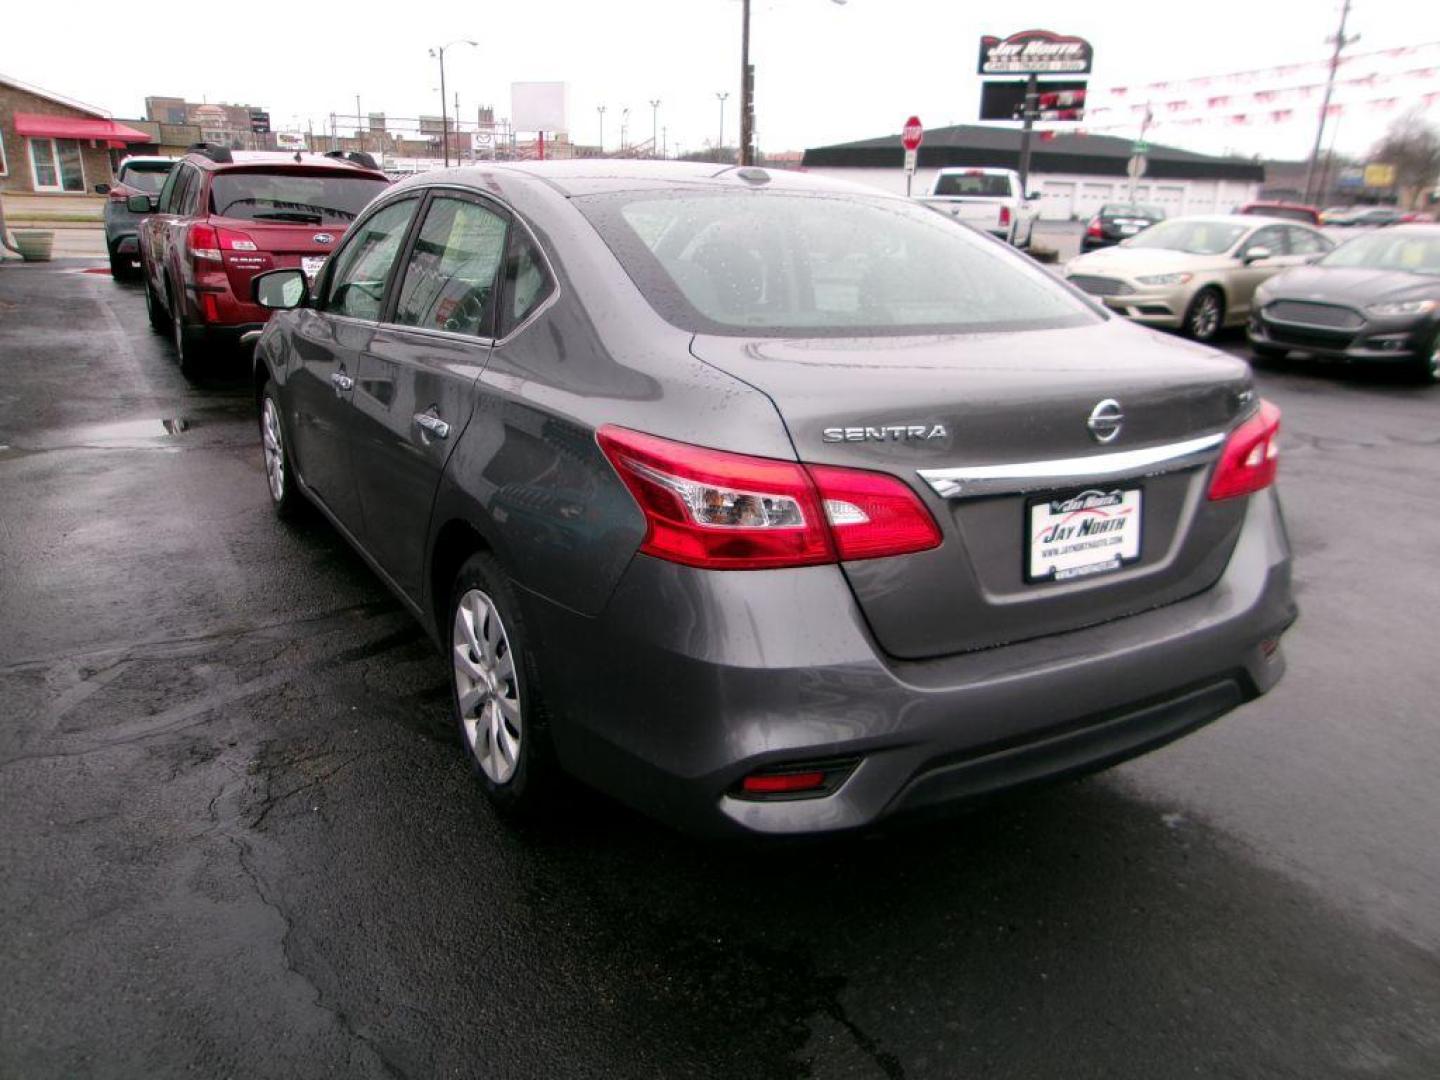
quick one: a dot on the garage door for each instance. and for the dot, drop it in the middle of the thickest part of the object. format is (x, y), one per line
(1057, 200)
(1092, 197)
(1170, 198)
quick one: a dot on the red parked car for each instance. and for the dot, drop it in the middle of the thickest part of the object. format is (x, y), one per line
(224, 217)
(1287, 210)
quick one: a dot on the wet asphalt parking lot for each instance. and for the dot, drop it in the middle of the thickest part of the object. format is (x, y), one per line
(238, 838)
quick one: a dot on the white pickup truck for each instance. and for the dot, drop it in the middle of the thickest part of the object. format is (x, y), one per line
(989, 199)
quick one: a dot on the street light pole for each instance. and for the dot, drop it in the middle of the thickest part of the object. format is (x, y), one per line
(747, 87)
(654, 126)
(601, 110)
(624, 126)
(720, 142)
(439, 51)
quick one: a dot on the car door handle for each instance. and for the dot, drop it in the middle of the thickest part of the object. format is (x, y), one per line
(433, 424)
(342, 381)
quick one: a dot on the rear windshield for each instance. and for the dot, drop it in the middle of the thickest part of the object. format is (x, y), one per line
(1153, 213)
(990, 186)
(316, 199)
(1414, 253)
(148, 177)
(1287, 213)
(1195, 237)
(817, 265)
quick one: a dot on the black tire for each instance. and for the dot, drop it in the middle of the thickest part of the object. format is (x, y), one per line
(1427, 364)
(186, 341)
(530, 789)
(1205, 317)
(120, 268)
(285, 497)
(154, 310)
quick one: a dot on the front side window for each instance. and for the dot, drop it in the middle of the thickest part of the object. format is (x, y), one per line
(817, 265)
(362, 266)
(313, 198)
(527, 282)
(1306, 242)
(1272, 239)
(449, 282)
(55, 165)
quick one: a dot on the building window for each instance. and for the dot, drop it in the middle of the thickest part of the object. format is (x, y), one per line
(55, 165)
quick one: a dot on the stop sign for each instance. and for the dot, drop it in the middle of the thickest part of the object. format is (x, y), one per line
(913, 134)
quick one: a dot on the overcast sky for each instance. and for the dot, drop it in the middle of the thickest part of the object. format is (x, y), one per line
(824, 72)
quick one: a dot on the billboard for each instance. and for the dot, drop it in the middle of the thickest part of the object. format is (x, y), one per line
(1004, 99)
(1035, 52)
(1379, 176)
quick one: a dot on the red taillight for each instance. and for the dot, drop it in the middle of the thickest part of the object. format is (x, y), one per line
(1004, 215)
(1248, 461)
(724, 511)
(1094, 229)
(782, 783)
(202, 243)
(871, 514)
(210, 243)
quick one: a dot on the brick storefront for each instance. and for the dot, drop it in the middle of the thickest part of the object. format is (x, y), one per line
(39, 150)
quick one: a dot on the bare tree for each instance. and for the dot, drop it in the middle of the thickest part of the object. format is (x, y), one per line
(1412, 145)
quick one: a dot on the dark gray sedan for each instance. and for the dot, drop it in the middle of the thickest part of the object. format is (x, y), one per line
(1373, 300)
(771, 504)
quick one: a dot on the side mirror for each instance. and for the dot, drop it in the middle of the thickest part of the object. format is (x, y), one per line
(139, 204)
(1255, 254)
(280, 290)
(1032, 196)
(102, 189)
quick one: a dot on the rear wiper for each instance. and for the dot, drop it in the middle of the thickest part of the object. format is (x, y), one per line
(287, 215)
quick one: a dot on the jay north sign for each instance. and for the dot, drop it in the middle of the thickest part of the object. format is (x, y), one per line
(1035, 52)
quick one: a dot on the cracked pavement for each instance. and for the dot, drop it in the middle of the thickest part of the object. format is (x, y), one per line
(239, 837)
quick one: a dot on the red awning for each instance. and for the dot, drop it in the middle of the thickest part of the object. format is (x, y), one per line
(76, 127)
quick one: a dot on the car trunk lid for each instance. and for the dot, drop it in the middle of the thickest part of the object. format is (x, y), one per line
(1010, 412)
(251, 247)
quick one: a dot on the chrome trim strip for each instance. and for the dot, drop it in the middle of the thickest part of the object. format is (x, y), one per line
(967, 481)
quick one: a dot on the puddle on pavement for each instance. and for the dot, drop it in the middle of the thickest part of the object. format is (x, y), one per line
(158, 434)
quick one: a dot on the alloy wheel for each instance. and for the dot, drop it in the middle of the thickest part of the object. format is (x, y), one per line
(486, 686)
(274, 442)
(1206, 318)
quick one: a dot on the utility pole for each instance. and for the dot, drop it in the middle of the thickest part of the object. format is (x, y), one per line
(457, 128)
(654, 126)
(747, 86)
(720, 142)
(1340, 41)
(439, 52)
(601, 110)
(624, 126)
(1032, 96)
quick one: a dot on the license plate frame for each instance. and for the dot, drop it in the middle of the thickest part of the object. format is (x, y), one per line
(1075, 557)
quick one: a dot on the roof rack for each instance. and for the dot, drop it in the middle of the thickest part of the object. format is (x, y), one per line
(359, 157)
(219, 154)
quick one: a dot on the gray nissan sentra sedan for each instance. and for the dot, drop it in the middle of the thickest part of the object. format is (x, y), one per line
(771, 504)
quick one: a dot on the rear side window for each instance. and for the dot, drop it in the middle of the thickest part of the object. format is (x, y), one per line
(307, 198)
(362, 266)
(527, 282)
(181, 190)
(806, 265)
(984, 185)
(167, 192)
(189, 199)
(450, 278)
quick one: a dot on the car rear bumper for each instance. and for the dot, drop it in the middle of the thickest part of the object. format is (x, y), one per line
(690, 680)
(1369, 343)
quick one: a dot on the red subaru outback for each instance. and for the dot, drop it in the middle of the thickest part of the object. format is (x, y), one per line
(223, 217)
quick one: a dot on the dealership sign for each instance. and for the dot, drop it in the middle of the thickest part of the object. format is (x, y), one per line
(1035, 52)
